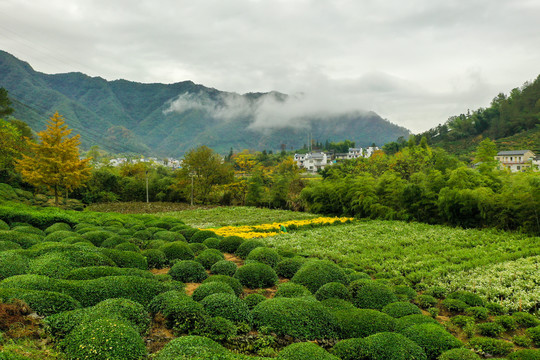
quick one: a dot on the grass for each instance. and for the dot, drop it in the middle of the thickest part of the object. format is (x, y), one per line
(143, 207)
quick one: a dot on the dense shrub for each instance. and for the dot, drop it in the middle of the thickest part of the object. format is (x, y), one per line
(333, 290)
(169, 236)
(410, 320)
(219, 329)
(295, 317)
(288, 267)
(211, 288)
(526, 320)
(123, 309)
(403, 292)
(211, 243)
(200, 236)
(12, 263)
(184, 314)
(29, 229)
(9, 245)
(305, 350)
(97, 237)
(158, 302)
(95, 272)
(525, 354)
(432, 338)
(426, 301)
(155, 244)
(256, 275)
(496, 309)
(335, 304)
(522, 341)
(246, 247)
(188, 233)
(490, 329)
(230, 244)
(437, 292)
(188, 271)
(8, 355)
(478, 312)
(53, 264)
(291, 290)
(400, 309)
(187, 347)
(23, 239)
(351, 349)
(534, 334)
(61, 235)
(227, 306)
(264, 255)
(462, 320)
(490, 346)
(127, 246)
(368, 294)
(3, 225)
(231, 281)
(356, 323)
(387, 345)
(209, 257)
(44, 303)
(155, 258)
(253, 299)
(126, 259)
(454, 305)
(507, 322)
(197, 248)
(177, 250)
(459, 354)
(359, 276)
(224, 267)
(315, 273)
(467, 297)
(60, 226)
(104, 339)
(143, 234)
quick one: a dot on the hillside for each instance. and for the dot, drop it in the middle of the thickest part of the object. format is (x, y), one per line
(169, 119)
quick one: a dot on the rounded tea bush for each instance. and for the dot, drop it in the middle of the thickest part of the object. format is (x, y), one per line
(231, 281)
(526, 320)
(264, 255)
(416, 319)
(197, 248)
(211, 243)
(155, 258)
(188, 271)
(426, 301)
(253, 300)
(368, 294)
(400, 309)
(123, 309)
(351, 349)
(177, 250)
(169, 236)
(534, 334)
(245, 248)
(432, 338)
(127, 246)
(210, 288)
(288, 267)
(104, 339)
(256, 275)
(228, 306)
(525, 354)
(209, 257)
(187, 347)
(459, 354)
(12, 264)
(159, 302)
(97, 237)
(478, 312)
(126, 259)
(404, 292)
(305, 350)
(491, 346)
(184, 314)
(291, 290)
(201, 235)
(95, 272)
(224, 267)
(188, 233)
(60, 235)
(59, 226)
(315, 273)
(388, 345)
(219, 328)
(356, 323)
(155, 244)
(9, 245)
(333, 290)
(295, 317)
(335, 304)
(467, 297)
(230, 244)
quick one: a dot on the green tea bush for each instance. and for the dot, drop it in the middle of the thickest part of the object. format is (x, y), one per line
(315, 273)
(478, 312)
(403, 292)
(224, 267)
(155, 258)
(264, 255)
(197, 248)
(9, 245)
(432, 338)
(368, 294)
(188, 271)
(127, 246)
(29, 229)
(335, 304)
(467, 297)
(97, 237)
(123, 309)
(104, 339)
(160, 223)
(462, 320)
(454, 305)
(246, 247)
(534, 334)
(8, 355)
(333, 290)
(188, 233)
(359, 276)
(126, 259)
(60, 226)
(44, 303)
(437, 292)
(493, 347)
(526, 320)
(219, 329)
(490, 329)
(388, 345)
(177, 228)
(231, 281)
(426, 301)
(256, 275)
(54, 265)
(496, 309)
(298, 318)
(184, 315)
(400, 309)
(23, 239)
(410, 320)
(459, 354)
(211, 243)
(230, 244)
(209, 257)
(95, 272)
(227, 306)
(522, 341)
(305, 350)
(143, 234)
(193, 347)
(253, 300)
(169, 236)
(525, 354)
(357, 323)
(177, 250)
(210, 288)
(158, 302)
(3, 225)
(60, 235)
(12, 263)
(155, 244)
(200, 236)
(351, 349)
(288, 267)
(291, 290)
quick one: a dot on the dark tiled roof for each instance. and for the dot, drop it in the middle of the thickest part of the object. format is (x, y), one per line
(512, 152)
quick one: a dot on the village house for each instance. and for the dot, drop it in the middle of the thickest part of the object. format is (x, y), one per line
(315, 161)
(517, 160)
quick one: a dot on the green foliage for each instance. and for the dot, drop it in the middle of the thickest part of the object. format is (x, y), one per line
(211, 243)
(211, 288)
(526, 320)
(197, 248)
(400, 309)
(490, 346)
(97, 237)
(295, 317)
(219, 329)
(232, 282)
(127, 259)
(334, 304)
(245, 248)
(459, 354)
(387, 345)
(351, 349)
(187, 347)
(252, 300)
(356, 323)
(478, 312)
(496, 309)
(522, 341)
(490, 329)
(368, 294)
(12, 264)
(534, 334)
(104, 339)
(200, 236)
(403, 292)
(230, 244)
(415, 319)
(462, 320)
(94, 272)
(155, 258)
(315, 273)
(291, 290)
(177, 250)
(224, 267)
(333, 290)
(454, 305)
(256, 275)
(426, 301)
(525, 354)
(169, 236)
(184, 314)
(432, 338)
(467, 297)
(188, 271)
(209, 257)
(305, 350)
(42, 302)
(228, 306)
(60, 226)
(264, 255)
(159, 302)
(288, 267)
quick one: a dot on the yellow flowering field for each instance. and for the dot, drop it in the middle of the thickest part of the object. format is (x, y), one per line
(266, 230)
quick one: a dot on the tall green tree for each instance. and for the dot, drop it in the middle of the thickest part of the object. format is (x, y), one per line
(5, 103)
(485, 153)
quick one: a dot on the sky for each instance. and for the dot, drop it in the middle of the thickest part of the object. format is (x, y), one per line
(415, 62)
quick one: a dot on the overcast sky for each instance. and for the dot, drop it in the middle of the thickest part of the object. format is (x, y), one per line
(414, 62)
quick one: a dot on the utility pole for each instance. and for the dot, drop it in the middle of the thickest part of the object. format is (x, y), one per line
(192, 174)
(147, 199)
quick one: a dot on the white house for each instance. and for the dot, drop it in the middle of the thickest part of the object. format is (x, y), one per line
(312, 162)
(516, 160)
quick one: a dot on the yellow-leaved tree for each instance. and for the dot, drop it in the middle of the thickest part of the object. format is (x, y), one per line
(54, 160)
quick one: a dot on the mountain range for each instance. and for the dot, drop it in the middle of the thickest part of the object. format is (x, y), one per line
(122, 116)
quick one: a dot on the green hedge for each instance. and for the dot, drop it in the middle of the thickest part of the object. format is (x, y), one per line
(193, 347)
(246, 247)
(288, 267)
(158, 302)
(534, 334)
(211, 243)
(415, 319)
(526, 320)
(210, 288)
(126, 259)
(224, 267)
(230, 244)
(303, 351)
(200, 236)
(491, 346)
(467, 297)
(97, 237)
(231, 281)
(387, 345)
(197, 248)
(525, 354)
(369, 294)
(291, 290)
(315, 273)
(265, 255)
(184, 315)
(209, 257)
(169, 236)
(95, 272)
(23, 239)
(188, 271)
(155, 258)
(459, 354)
(333, 290)
(59, 226)
(356, 323)
(177, 250)
(256, 275)
(44, 303)
(13, 263)
(400, 309)
(228, 306)
(432, 338)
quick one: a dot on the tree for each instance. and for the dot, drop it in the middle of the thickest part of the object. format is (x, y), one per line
(54, 160)
(5, 108)
(485, 153)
